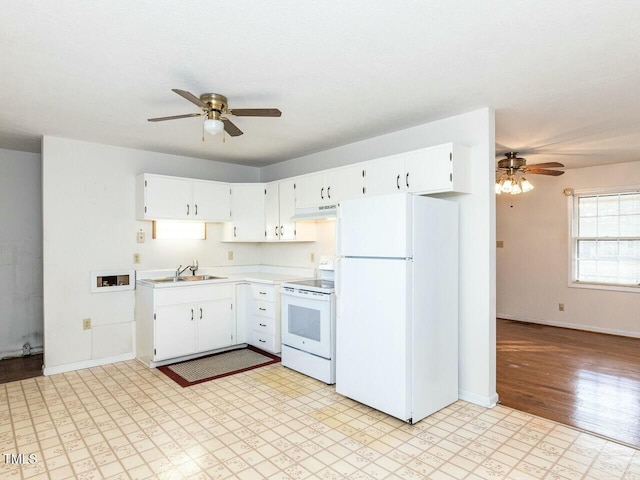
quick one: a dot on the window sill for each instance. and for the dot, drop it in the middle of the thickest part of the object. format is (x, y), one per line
(605, 286)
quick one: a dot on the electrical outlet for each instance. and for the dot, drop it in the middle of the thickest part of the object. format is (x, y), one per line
(312, 257)
(561, 307)
(500, 244)
(140, 237)
(86, 324)
(230, 255)
(136, 258)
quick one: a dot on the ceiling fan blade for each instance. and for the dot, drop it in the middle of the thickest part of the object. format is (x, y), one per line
(230, 128)
(191, 97)
(542, 171)
(174, 117)
(547, 165)
(256, 112)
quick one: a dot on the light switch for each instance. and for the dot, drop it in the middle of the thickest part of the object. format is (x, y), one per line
(230, 255)
(136, 258)
(140, 237)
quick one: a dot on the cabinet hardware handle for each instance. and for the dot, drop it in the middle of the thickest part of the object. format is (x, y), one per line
(322, 193)
(398, 181)
(187, 209)
(262, 293)
(281, 230)
(200, 313)
(363, 173)
(192, 314)
(234, 231)
(262, 324)
(407, 179)
(263, 341)
(276, 230)
(329, 192)
(364, 190)
(196, 205)
(263, 309)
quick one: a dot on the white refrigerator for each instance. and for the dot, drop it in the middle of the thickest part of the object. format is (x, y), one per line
(397, 303)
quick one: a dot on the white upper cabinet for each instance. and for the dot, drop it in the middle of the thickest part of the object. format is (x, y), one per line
(161, 197)
(330, 187)
(443, 168)
(247, 214)
(271, 212)
(211, 201)
(311, 190)
(279, 207)
(384, 175)
(345, 183)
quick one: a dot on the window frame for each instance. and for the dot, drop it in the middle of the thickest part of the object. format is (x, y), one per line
(572, 208)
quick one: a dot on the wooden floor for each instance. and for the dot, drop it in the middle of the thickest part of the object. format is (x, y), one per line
(19, 368)
(587, 380)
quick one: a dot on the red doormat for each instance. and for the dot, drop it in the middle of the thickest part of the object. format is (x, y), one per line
(217, 365)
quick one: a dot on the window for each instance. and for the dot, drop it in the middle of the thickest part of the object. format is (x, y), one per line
(605, 238)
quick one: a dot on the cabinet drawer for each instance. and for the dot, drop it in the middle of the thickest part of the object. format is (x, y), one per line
(264, 292)
(263, 341)
(264, 325)
(264, 309)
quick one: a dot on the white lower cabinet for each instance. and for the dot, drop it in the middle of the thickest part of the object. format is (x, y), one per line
(263, 317)
(182, 321)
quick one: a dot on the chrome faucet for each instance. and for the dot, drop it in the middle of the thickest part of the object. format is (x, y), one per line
(193, 268)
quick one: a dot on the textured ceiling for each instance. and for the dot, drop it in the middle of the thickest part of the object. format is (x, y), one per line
(564, 77)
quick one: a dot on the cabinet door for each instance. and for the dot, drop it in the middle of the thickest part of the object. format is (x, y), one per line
(385, 175)
(287, 201)
(311, 190)
(215, 324)
(345, 183)
(429, 169)
(271, 212)
(247, 213)
(167, 198)
(211, 201)
(175, 331)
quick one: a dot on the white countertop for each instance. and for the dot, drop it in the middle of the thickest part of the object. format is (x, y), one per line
(267, 274)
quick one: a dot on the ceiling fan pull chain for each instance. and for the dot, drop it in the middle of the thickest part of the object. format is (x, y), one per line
(203, 132)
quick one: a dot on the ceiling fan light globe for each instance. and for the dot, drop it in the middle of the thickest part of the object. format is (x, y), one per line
(213, 126)
(506, 186)
(516, 189)
(498, 189)
(526, 185)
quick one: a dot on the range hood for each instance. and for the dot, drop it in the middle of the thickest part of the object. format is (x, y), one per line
(319, 212)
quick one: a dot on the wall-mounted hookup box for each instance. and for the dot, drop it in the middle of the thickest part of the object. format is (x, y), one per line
(113, 281)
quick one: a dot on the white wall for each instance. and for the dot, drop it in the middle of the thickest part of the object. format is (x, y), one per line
(89, 224)
(299, 254)
(533, 265)
(20, 251)
(477, 230)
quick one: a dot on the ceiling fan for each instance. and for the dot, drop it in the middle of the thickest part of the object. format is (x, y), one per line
(214, 105)
(512, 169)
(513, 163)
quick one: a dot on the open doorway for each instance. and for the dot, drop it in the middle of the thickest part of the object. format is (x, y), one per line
(21, 314)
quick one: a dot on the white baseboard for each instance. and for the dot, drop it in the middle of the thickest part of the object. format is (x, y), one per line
(573, 326)
(489, 401)
(70, 367)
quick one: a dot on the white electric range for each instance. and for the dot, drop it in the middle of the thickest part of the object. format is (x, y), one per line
(309, 325)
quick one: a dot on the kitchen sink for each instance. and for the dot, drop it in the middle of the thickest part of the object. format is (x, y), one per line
(167, 280)
(190, 278)
(195, 278)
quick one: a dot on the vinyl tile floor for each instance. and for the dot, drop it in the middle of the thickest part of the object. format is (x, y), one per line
(124, 421)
